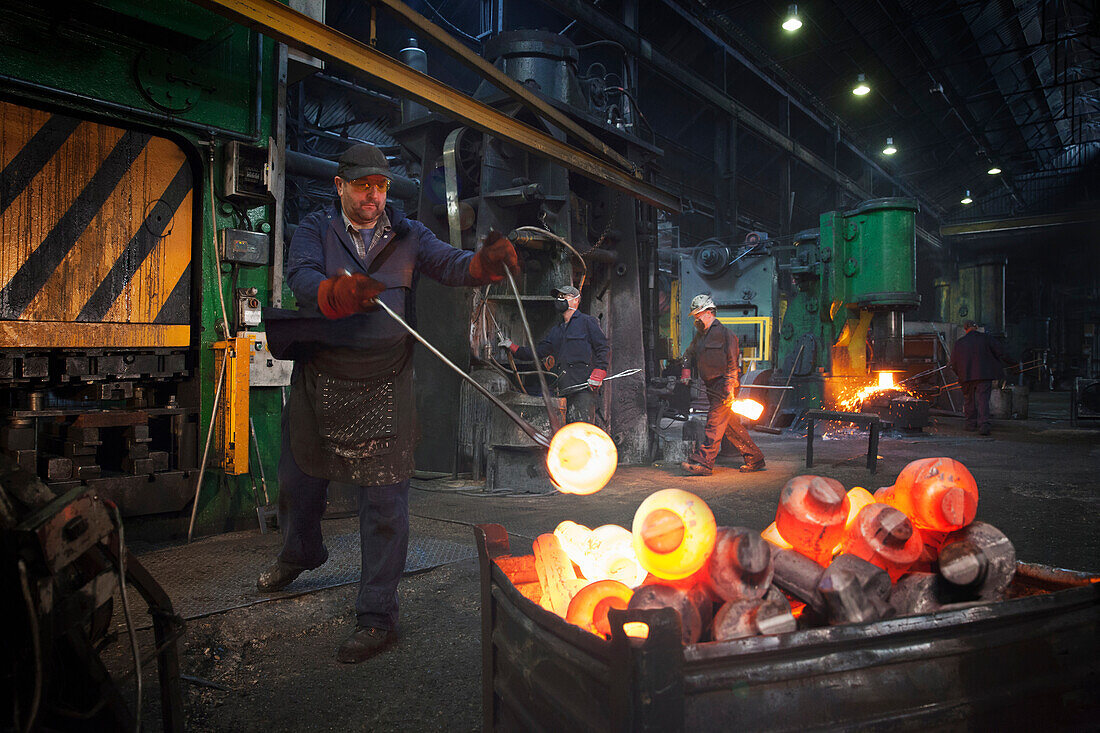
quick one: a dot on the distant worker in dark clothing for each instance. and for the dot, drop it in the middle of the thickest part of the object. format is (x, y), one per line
(576, 349)
(977, 359)
(714, 350)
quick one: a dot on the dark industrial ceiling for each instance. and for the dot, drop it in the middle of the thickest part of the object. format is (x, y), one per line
(959, 86)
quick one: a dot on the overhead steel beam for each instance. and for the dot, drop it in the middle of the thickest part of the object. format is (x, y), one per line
(299, 31)
(683, 77)
(995, 226)
(504, 82)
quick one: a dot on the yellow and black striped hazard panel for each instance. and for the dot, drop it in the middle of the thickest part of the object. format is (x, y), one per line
(95, 234)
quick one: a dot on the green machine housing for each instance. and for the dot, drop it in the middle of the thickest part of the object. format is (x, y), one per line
(131, 131)
(844, 288)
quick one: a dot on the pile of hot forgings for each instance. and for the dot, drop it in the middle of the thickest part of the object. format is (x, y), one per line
(831, 557)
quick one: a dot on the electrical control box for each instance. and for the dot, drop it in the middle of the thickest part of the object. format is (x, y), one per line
(248, 173)
(245, 248)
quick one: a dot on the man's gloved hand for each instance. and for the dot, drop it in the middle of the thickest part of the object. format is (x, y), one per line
(685, 376)
(506, 343)
(345, 295)
(488, 263)
(595, 379)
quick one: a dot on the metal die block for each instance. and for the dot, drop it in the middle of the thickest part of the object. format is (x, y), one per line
(159, 459)
(137, 466)
(115, 390)
(138, 450)
(36, 367)
(83, 436)
(72, 450)
(14, 439)
(55, 468)
(7, 367)
(87, 472)
(77, 366)
(231, 414)
(27, 460)
(137, 433)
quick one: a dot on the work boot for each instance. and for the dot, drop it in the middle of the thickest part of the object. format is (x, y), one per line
(364, 643)
(751, 467)
(984, 430)
(278, 576)
(695, 469)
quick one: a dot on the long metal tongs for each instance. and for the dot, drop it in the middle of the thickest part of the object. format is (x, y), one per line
(534, 433)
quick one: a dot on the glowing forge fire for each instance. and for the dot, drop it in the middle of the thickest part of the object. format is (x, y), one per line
(853, 401)
(581, 458)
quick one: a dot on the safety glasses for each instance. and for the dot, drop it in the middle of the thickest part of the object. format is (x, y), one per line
(377, 183)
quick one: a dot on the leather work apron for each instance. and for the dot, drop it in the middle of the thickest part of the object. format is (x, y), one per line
(353, 415)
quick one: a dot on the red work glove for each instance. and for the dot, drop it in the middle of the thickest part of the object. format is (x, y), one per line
(344, 295)
(595, 379)
(685, 376)
(488, 263)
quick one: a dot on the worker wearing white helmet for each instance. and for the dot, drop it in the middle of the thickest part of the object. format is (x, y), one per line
(715, 351)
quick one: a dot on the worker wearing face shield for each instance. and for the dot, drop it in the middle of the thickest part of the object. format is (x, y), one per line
(576, 349)
(714, 351)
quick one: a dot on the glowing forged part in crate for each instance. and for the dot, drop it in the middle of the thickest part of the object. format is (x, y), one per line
(581, 459)
(674, 533)
(936, 493)
(590, 605)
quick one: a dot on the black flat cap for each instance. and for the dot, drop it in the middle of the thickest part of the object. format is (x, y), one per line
(363, 160)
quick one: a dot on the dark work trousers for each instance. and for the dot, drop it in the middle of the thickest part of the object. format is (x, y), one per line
(721, 421)
(383, 534)
(738, 434)
(976, 403)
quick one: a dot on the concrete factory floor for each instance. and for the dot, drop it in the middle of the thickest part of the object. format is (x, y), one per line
(271, 666)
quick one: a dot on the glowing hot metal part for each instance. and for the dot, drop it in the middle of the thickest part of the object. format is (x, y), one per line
(747, 408)
(581, 459)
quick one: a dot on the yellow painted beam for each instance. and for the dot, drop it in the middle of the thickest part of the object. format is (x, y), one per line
(302, 32)
(70, 335)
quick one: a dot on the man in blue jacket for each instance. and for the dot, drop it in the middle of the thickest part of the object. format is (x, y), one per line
(977, 359)
(577, 350)
(351, 414)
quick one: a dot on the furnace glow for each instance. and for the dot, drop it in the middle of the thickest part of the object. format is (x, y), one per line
(854, 401)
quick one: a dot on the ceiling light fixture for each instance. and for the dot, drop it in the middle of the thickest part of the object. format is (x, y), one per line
(889, 149)
(861, 87)
(966, 199)
(793, 22)
(993, 171)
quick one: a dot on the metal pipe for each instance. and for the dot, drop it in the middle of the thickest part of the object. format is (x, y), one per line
(206, 450)
(310, 166)
(551, 413)
(532, 432)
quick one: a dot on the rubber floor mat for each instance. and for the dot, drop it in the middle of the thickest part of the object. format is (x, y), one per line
(219, 574)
